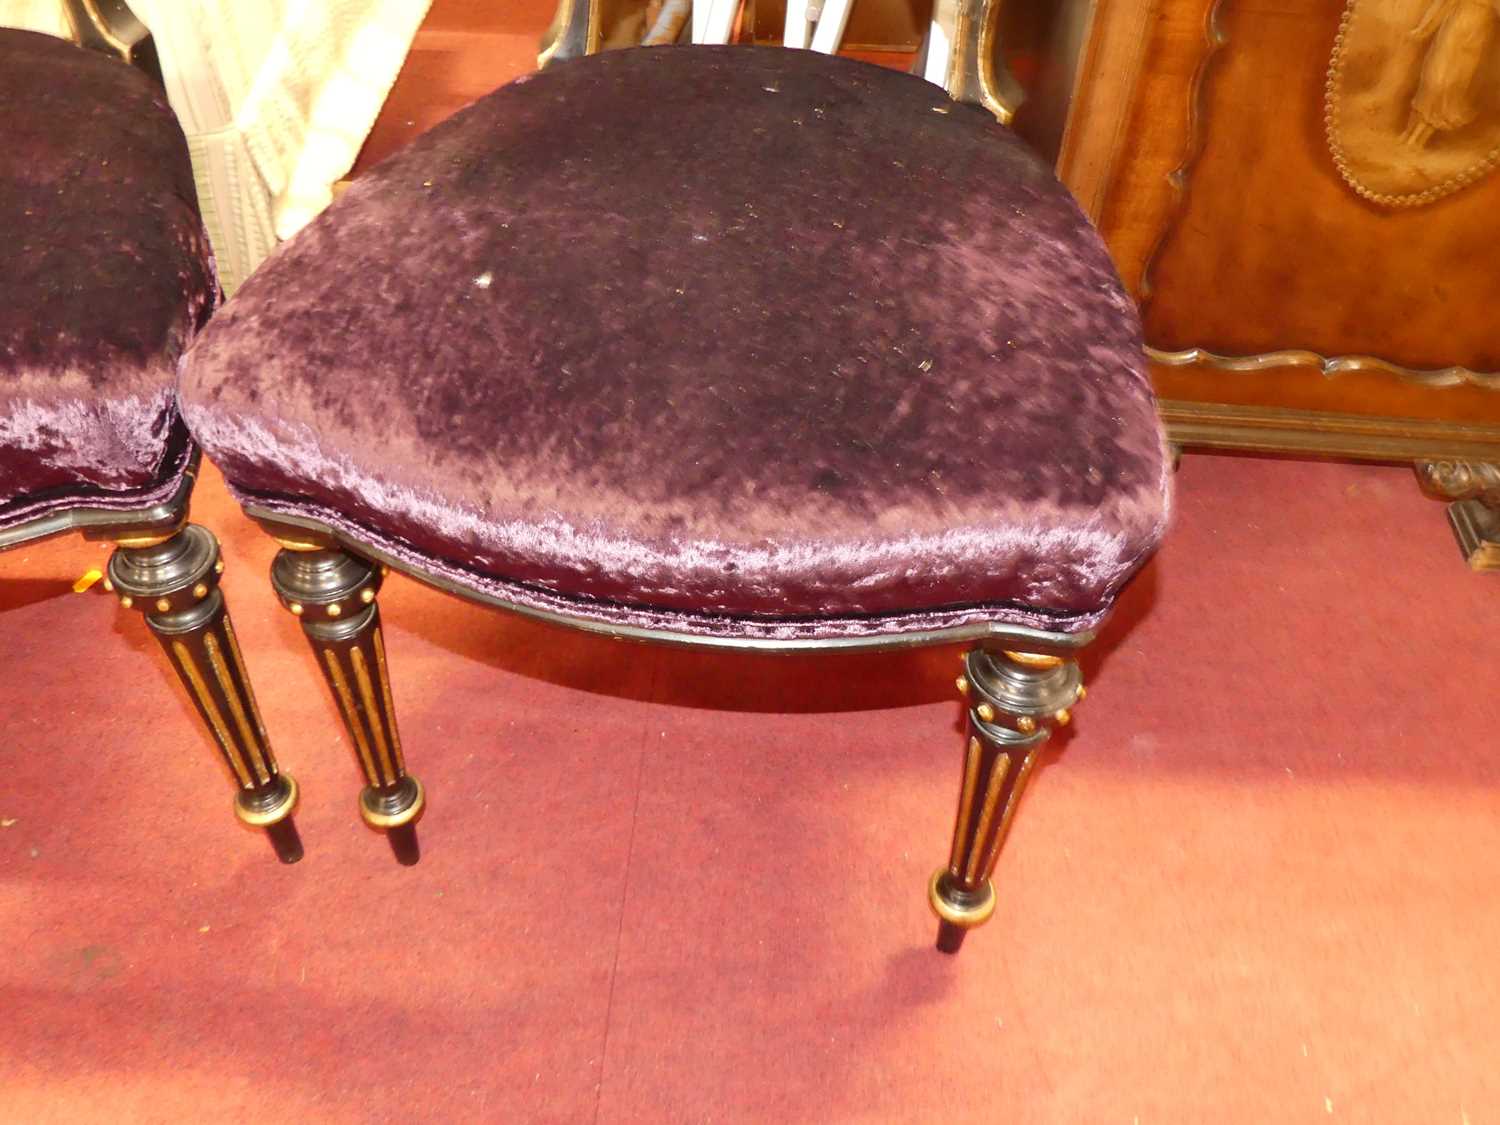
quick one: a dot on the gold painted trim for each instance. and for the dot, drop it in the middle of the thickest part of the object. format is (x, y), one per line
(1332, 108)
(986, 65)
(264, 818)
(151, 539)
(956, 59)
(232, 695)
(966, 797)
(386, 821)
(239, 664)
(973, 55)
(293, 544)
(390, 706)
(372, 710)
(190, 672)
(989, 90)
(966, 916)
(351, 716)
(593, 34)
(987, 816)
(1010, 806)
(1033, 659)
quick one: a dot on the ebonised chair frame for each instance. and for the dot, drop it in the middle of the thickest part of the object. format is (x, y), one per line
(168, 569)
(1019, 684)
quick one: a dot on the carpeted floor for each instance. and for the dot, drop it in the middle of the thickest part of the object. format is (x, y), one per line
(1256, 883)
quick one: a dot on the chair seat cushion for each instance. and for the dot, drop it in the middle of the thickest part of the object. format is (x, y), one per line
(725, 340)
(105, 276)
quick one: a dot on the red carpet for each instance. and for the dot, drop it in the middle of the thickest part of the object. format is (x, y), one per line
(1257, 884)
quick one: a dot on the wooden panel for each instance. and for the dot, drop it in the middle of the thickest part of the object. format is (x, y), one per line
(1138, 197)
(1303, 389)
(1321, 433)
(1266, 247)
(1309, 264)
(1108, 74)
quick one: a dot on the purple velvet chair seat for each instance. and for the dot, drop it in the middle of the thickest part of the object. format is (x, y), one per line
(722, 341)
(105, 276)
(723, 346)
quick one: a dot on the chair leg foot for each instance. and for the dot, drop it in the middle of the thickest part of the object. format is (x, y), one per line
(404, 846)
(174, 582)
(1014, 698)
(950, 938)
(394, 810)
(332, 593)
(286, 841)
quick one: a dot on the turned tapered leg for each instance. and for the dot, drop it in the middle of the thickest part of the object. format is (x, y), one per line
(175, 583)
(333, 594)
(1014, 698)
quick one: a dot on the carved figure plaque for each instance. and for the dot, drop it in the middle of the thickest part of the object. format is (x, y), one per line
(1412, 106)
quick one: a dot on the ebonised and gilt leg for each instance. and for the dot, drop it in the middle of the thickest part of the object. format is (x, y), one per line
(333, 594)
(174, 582)
(1014, 698)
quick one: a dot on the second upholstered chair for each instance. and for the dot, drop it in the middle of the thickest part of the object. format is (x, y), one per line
(730, 347)
(105, 277)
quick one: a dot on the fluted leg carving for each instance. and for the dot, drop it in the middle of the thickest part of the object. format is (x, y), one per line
(333, 594)
(1015, 698)
(175, 584)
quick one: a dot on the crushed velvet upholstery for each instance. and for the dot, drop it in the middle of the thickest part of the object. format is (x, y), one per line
(105, 277)
(722, 340)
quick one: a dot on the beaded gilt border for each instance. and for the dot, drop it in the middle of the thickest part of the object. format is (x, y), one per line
(1332, 93)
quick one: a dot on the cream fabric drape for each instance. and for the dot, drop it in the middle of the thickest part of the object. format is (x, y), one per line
(275, 96)
(35, 15)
